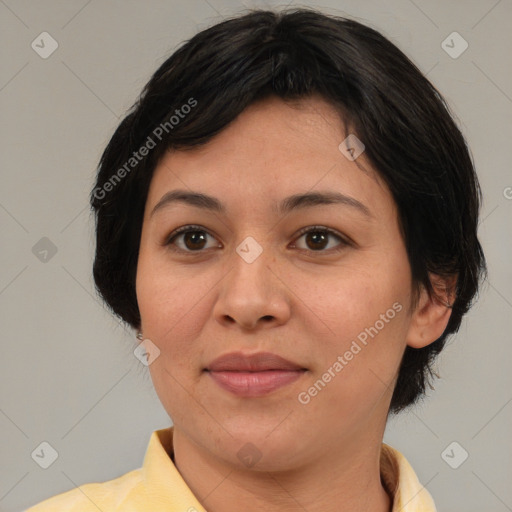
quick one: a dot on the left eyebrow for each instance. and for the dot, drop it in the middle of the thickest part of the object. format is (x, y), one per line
(320, 198)
(294, 202)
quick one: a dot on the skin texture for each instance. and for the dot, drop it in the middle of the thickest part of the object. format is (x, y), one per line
(300, 299)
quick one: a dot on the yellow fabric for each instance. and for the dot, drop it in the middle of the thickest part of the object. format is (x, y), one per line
(159, 487)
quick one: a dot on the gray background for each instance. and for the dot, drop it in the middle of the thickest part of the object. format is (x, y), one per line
(69, 376)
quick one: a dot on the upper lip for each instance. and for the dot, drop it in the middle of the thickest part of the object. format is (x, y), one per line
(237, 361)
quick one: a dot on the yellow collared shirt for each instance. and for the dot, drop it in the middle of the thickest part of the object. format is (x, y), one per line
(158, 486)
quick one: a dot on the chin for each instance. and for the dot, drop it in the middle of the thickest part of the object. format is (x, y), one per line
(261, 449)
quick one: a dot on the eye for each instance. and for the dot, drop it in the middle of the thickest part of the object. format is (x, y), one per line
(317, 237)
(193, 238)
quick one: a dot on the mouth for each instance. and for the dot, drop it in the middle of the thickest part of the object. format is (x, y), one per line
(253, 375)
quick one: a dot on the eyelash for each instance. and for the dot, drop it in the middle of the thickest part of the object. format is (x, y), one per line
(169, 241)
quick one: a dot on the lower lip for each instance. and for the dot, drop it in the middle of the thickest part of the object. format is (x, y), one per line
(255, 383)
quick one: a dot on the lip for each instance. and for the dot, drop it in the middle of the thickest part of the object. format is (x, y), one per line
(261, 361)
(253, 375)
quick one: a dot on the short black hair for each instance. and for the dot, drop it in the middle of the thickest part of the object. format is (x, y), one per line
(409, 134)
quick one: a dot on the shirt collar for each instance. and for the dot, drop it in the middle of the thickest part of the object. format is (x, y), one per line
(161, 477)
(163, 480)
(402, 484)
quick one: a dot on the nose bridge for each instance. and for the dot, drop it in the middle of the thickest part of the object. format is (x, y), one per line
(251, 274)
(251, 290)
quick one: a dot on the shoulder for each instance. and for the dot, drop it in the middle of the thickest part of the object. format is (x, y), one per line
(92, 497)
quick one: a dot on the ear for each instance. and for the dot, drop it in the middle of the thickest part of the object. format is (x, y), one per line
(432, 313)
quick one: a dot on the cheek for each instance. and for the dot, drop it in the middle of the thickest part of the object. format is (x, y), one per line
(172, 310)
(354, 373)
(166, 295)
(360, 327)
(175, 306)
(345, 302)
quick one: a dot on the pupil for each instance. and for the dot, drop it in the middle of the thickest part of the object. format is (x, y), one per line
(318, 238)
(195, 237)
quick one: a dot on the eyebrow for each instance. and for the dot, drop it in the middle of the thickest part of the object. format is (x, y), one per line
(294, 202)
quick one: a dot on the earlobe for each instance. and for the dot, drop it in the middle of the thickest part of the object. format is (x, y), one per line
(432, 313)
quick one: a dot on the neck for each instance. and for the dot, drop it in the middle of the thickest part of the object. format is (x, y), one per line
(342, 480)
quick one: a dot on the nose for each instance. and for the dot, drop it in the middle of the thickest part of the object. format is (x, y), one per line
(253, 294)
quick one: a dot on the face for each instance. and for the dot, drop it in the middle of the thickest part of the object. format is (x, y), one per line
(324, 285)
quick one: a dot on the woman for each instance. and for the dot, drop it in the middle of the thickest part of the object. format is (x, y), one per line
(287, 218)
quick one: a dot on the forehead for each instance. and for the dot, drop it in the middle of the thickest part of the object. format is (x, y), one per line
(271, 150)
